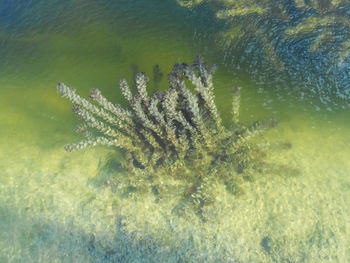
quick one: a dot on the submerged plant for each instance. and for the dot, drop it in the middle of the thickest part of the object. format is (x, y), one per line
(172, 139)
(298, 42)
(324, 22)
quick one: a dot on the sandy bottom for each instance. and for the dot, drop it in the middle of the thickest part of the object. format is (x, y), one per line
(56, 207)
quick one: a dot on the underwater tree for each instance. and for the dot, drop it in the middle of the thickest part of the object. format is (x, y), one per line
(174, 138)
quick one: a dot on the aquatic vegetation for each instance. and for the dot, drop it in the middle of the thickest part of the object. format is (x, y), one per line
(289, 37)
(325, 22)
(157, 74)
(174, 139)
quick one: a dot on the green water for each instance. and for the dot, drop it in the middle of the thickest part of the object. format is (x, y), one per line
(56, 207)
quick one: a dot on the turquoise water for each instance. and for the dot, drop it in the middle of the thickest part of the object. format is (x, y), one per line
(57, 206)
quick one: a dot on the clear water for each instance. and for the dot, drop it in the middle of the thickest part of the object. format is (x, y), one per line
(54, 206)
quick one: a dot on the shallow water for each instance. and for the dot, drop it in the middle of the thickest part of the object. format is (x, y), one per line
(54, 206)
